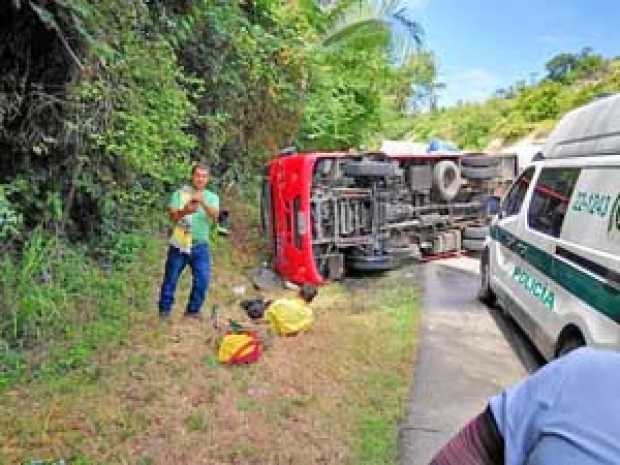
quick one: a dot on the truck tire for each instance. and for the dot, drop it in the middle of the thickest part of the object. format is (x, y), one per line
(479, 161)
(476, 232)
(371, 169)
(480, 172)
(473, 245)
(447, 179)
(371, 263)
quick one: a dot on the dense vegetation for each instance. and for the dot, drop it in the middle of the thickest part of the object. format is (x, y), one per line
(572, 80)
(105, 105)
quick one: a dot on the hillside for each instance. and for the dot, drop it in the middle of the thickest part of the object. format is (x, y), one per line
(572, 80)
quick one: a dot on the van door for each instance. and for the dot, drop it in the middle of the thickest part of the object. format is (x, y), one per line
(536, 285)
(587, 257)
(504, 233)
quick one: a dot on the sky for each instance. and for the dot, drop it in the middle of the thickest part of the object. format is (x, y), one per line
(484, 45)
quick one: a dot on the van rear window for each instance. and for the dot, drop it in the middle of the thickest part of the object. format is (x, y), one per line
(551, 198)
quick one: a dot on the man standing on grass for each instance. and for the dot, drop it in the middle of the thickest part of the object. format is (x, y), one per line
(191, 210)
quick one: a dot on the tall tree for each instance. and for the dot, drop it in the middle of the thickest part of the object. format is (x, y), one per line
(561, 65)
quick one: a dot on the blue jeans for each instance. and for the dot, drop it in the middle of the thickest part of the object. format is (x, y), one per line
(199, 262)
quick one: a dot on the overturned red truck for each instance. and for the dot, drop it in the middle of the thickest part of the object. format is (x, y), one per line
(326, 213)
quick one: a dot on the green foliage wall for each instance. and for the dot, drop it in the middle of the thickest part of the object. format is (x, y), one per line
(252, 65)
(344, 105)
(143, 88)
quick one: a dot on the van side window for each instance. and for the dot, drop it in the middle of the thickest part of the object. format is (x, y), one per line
(514, 199)
(550, 199)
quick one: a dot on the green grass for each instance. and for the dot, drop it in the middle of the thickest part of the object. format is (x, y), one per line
(387, 382)
(60, 308)
(198, 421)
(376, 356)
(96, 391)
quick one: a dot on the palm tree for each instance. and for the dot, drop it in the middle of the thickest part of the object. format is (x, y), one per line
(377, 16)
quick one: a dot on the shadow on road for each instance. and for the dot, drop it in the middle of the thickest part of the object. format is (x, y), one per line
(528, 355)
(463, 284)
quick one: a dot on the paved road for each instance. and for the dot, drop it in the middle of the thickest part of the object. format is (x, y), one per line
(467, 353)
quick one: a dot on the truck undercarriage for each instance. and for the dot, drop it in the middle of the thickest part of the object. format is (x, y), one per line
(371, 211)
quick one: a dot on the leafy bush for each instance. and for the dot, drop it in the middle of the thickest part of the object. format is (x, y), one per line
(539, 103)
(343, 107)
(10, 219)
(55, 298)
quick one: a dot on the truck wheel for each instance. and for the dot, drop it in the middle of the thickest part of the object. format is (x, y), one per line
(480, 161)
(473, 245)
(371, 263)
(374, 169)
(480, 173)
(447, 179)
(476, 232)
(485, 293)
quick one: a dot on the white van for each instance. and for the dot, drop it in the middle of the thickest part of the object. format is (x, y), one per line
(552, 260)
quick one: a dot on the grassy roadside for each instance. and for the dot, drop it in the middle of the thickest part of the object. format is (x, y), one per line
(383, 327)
(389, 376)
(158, 396)
(58, 308)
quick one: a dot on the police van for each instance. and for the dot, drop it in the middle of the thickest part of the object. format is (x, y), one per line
(552, 258)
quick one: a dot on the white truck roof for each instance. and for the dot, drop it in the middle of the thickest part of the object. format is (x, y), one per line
(593, 129)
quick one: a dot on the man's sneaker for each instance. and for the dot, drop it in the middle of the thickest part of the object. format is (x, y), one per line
(193, 315)
(164, 317)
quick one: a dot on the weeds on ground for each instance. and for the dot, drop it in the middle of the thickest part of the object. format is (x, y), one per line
(384, 349)
(57, 306)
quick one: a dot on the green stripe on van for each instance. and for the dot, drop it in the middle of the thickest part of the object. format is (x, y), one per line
(598, 295)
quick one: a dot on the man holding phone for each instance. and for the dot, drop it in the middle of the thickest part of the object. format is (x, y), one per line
(191, 209)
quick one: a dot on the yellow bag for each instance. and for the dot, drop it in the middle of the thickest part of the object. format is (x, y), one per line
(239, 348)
(181, 237)
(289, 316)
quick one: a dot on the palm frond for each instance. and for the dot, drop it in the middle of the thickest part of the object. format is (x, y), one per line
(406, 34)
